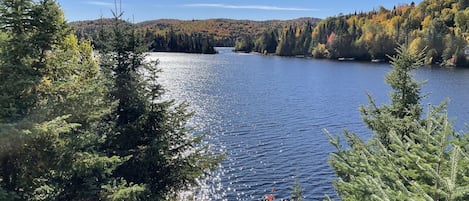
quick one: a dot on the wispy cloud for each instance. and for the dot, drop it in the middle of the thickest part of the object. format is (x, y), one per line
(252, 7)
(100, 3)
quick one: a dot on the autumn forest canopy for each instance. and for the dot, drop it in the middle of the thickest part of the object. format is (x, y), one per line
(440, 28)
(179, 36)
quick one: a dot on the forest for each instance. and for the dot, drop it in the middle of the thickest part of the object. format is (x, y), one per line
(439, 28)
(172, 42)
(187, 36)
(99, 31)
(80, 126)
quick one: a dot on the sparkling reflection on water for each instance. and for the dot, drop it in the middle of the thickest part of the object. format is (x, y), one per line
(267, 114)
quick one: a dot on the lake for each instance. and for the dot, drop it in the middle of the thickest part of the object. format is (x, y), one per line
(267, 113)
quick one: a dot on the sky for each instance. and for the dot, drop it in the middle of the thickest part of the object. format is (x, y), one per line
(142, 10)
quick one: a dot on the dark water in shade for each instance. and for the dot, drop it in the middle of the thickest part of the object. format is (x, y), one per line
(268, 114)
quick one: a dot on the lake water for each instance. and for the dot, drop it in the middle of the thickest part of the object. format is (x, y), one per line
(268, 113)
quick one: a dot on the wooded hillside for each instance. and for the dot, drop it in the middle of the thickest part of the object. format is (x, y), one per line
(224, 32)
(439, 28)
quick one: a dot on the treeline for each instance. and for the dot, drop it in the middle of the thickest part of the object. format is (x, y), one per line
(289, 41)
(169, 41)
(221, 32)
(74, 127)
(224, 31)
(436, 27)
(180, 42)
(440, 28)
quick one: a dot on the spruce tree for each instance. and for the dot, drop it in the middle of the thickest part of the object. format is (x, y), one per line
(17, 76)
(409, 157)
(244, 44)
(55, 103)
(403, 114)
(303, 41)
(286, 43)
(163, 155)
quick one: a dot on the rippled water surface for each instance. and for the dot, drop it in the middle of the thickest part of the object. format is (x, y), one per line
(268, 114)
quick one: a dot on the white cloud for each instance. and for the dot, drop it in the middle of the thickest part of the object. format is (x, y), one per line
(100, 3)
(252, 7)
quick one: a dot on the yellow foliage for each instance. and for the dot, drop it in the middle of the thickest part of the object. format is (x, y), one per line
(298, 32)
(46, 81)
(368, 36)
(70, 42)
(417, 45)
(447, 12)
(351, 20)
(392, 24)
(320, 51)
(427, 21)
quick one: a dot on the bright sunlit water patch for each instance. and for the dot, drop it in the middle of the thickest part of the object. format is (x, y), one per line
(267, 114)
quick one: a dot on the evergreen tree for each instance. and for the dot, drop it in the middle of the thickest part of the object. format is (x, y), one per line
(286, 43)
(181, 42)
(84, 168)
(244, 44)
(17, 75)
(297, 191)
(163, 156)
(50, 134)
(66, 136)
(408, 157)
(403, 114)
(267, 43)
(303, 42)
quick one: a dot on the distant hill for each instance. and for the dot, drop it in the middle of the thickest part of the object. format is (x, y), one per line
(438, 28)
(223, 31)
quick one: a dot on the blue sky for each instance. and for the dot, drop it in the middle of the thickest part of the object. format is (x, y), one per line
(141, 10)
